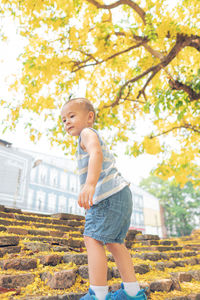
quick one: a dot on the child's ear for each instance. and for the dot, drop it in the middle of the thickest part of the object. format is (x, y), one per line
(91, 116)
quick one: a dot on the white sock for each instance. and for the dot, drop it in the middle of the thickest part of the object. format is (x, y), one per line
(132, 288)
(100, 291)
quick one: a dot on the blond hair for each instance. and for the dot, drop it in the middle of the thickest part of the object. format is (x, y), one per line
(83, 101)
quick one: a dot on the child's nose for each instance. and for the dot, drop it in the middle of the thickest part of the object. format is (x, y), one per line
(66, 124)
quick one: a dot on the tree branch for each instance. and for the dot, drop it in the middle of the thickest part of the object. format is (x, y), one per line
(185, 126)
(195, 43)
(142, 91)
(137, 101)
(176, 85)
(82, 65)
(130, 3)
(153, 69)
(182, 41)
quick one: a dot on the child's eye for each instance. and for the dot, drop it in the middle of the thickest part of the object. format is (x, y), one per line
(71, 116)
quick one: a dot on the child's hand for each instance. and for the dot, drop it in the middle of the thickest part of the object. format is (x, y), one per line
(85, 198)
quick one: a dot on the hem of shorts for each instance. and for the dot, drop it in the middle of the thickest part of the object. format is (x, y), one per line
(102, 239)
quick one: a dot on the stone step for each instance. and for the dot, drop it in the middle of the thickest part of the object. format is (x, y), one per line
(168, 242)
(131, 234)
(64, 216)
(154, 256)
(64, 279)
(186, 276)
(158, 242)
(16, 281)
(43, 247)
(70, 296)
(61, 216)
(19, 211)
(10, 210)
(10, 244)
(35, 232)
(146, 243)
(177, 263)
(22, 264)
(38, 225)
(46, 255)
(157, 248)
(2, 228)
(193, 296)
(9, 249)
(74, 243)
(80, 259)
(73, 296)
(50, 233)
(23, 231)
(141, 237)
(47, 220)
(9, 241)
(75, 235)
(193, 246)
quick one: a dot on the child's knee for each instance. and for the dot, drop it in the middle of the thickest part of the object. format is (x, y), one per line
(89, 241)
(113, 246)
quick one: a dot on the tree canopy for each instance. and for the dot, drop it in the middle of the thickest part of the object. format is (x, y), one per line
(136, 58)
(181, 205)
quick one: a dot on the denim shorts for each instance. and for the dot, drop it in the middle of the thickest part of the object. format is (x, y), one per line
(109, 220)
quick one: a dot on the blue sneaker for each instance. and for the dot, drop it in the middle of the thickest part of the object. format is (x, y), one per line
(89, 296)
(122, 295)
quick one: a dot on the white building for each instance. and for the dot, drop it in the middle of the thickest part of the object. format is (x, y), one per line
(54, 185)
(152, 212)
(14, 176)
(47, 184)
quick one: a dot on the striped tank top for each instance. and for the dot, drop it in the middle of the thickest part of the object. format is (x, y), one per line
(110, 180)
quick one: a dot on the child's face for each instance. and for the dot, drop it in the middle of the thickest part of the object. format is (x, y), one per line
(75, 118)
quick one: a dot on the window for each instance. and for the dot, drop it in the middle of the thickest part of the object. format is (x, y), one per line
(80, 210)
(63, 180)
(62, 204)
(52, 202)
(33, 174)
(137, 220)
(73, 183)
(140, 201)
(30, 198)
(40, 200)
(132, 219)
(141, 219)
(72, 205)
(42, 174)
(137, 201)
(53, 177)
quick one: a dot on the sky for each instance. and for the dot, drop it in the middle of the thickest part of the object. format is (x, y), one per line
(133, 169)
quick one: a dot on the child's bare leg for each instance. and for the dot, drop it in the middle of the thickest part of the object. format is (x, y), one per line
(123, 261)
(97, 262)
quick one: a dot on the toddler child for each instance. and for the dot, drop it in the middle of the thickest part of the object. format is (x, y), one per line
(106, 196)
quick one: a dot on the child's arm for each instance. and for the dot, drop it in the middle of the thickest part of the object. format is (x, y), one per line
(90, 143)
